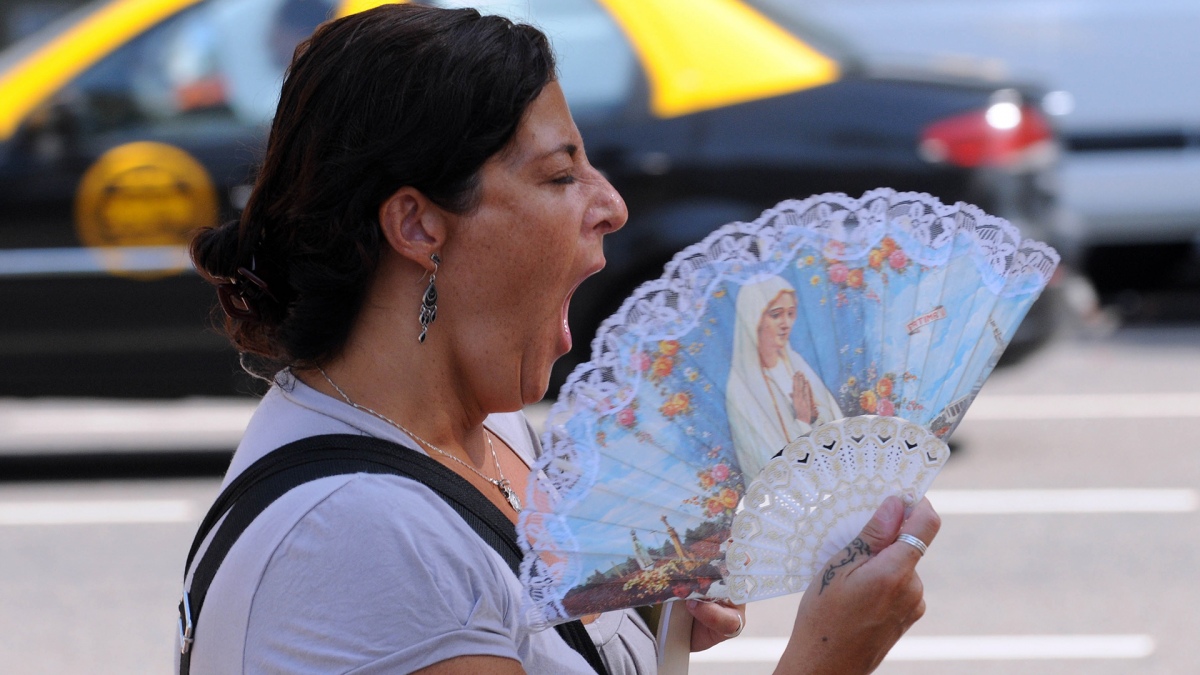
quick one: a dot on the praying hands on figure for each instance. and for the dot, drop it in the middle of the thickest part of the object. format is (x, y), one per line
(803, 401)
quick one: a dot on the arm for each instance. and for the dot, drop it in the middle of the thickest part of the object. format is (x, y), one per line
(473, 665)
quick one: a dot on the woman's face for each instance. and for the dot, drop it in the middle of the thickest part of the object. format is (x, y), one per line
(511, 265)
(775, 328)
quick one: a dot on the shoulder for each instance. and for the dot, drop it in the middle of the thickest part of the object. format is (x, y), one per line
(389, 513)
(381, 565)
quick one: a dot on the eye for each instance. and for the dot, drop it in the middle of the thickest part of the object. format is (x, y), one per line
(564, 180)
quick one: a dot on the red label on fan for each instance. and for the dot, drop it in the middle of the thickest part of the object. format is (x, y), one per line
(916, 324)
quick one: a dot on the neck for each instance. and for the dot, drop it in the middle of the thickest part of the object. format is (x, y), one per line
(768, 359)
(435, 435)
(383, 367)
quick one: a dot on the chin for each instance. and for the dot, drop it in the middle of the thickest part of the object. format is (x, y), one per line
(535, 380)
(536, 383)
(534, 393)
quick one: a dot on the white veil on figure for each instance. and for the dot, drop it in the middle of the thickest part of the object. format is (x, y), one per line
(762, 418)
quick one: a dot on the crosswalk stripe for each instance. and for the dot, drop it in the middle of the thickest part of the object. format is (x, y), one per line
(98, 512)
(958, 648)
(1010, 407)
(1001, 502)
(947, 502)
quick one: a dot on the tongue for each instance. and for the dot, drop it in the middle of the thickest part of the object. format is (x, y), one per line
(566, 334)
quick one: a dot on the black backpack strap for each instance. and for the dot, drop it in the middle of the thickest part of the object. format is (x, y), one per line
(332, 455)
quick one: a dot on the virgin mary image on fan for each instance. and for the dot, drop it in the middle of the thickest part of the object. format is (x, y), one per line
(773, 396)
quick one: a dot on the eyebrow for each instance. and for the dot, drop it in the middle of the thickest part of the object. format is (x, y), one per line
(570, 148)
(508, 155)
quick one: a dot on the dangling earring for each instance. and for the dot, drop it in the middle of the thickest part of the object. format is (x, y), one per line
(429, 301)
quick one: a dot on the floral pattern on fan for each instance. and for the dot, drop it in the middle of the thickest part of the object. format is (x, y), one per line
(812, 500)
(889, 304)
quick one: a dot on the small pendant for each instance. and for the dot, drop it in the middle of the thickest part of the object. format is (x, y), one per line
(510, 495)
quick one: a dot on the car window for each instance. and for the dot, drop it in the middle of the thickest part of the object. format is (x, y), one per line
(221, 60)
(597, 67)
(803, 21)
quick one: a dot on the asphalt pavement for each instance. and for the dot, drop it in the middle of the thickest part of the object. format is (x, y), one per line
(1069, 542)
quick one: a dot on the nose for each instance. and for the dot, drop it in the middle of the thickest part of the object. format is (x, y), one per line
(608, 211)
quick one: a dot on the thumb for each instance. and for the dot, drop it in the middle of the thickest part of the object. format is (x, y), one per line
(884, 526)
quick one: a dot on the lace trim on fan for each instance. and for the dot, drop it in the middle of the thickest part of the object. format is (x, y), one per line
(842, 227)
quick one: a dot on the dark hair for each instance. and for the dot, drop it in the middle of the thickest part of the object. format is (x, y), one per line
(399, 95)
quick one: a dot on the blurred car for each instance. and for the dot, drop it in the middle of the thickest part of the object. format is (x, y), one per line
(1123, 82)
(131, 123)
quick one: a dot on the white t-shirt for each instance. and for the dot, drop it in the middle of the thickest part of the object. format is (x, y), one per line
(372, 573)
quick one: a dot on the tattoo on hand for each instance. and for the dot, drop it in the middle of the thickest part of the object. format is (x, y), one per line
(853, 550)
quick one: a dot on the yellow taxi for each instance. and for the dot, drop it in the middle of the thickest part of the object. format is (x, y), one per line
(131, 123)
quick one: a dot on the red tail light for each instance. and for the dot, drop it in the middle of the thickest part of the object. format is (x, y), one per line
(1001, 135)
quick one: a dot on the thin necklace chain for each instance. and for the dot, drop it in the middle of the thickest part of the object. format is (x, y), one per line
(501, 483)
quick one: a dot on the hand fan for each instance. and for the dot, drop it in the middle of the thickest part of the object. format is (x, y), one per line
(890, 309)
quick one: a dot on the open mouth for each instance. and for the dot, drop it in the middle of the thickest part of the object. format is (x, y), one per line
(566, 342)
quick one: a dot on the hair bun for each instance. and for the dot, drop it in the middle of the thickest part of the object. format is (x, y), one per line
(214, 250)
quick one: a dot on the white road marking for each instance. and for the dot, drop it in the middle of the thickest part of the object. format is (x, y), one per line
(36, 427)
(41, 262)
(1021, 647)
(1000, 502)
(1007, 407)
(968, 502)
(99, 512)
(958, 648)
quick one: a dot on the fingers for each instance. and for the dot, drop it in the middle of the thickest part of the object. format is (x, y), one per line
(812, 402)
(881, 530)
(876, 535)
(715, 622)
(916, 613)
(923, 523)
(722, 619)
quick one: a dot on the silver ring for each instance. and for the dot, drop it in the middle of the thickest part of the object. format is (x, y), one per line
(913, 542)
(741, 625)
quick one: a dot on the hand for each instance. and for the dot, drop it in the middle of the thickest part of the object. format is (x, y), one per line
(714, 621)
(867, 596)
(803, 401)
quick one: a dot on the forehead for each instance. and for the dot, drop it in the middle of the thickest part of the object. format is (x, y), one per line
(784, 299)
(545, 130)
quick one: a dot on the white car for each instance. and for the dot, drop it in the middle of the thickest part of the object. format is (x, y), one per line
(1123, 78)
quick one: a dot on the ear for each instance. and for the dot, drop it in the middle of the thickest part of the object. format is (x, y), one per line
(413, 225)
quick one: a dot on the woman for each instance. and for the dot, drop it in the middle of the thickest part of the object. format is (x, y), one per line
(406, 260)
(773, 396)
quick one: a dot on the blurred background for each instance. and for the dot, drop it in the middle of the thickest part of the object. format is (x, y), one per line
(1070, 502)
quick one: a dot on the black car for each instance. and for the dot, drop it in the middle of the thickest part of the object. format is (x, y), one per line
(133, 122)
